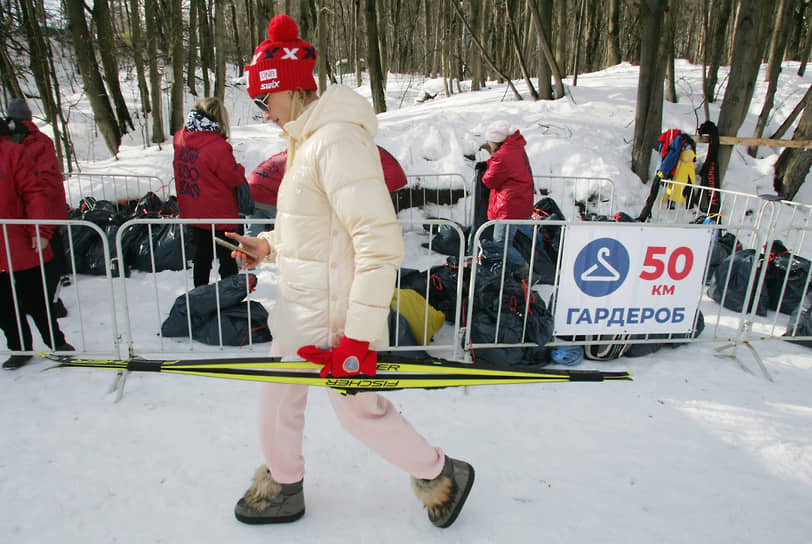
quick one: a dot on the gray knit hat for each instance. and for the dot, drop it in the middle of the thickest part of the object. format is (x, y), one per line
(18, 110)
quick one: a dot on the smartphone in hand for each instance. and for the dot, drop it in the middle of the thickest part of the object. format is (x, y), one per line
(229, 245)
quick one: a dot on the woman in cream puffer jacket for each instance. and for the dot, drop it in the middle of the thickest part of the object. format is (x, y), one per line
(336, 241)
(337, 245)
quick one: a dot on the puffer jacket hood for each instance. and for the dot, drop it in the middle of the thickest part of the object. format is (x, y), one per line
(338, 104)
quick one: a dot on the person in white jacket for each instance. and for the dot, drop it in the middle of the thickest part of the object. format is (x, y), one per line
(337, 245)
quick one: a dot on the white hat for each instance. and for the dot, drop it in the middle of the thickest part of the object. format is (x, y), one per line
(498, 131)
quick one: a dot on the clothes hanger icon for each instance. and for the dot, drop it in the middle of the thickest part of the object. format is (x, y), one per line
(607, 271)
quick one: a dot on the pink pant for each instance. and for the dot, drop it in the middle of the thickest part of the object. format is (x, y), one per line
(369, 417)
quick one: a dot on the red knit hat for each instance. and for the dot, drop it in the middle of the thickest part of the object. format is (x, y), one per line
(283, 62)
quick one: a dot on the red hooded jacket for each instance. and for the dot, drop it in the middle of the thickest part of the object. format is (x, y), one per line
(22, 196)
(206, 175)
(510, 181)
(40, 149)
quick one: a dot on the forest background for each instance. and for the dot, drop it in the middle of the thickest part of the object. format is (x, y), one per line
(180, 48)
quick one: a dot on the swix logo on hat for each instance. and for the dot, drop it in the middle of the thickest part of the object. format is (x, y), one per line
(267, 74)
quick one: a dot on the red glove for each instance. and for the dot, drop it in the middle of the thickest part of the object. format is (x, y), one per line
(348, 358)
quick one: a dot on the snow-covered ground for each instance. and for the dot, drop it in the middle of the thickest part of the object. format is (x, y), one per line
(695, 449)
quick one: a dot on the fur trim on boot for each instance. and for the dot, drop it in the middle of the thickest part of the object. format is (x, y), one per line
(445, 495)
(268, 501)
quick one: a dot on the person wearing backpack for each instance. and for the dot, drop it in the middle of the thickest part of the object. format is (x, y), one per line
(337, 246)
(509, 179)
(206, 176)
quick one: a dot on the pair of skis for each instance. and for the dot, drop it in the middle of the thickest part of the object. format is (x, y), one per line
(394, 372)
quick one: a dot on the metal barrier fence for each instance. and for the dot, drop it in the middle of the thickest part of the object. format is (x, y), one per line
(578, 196)
(127, 292)
(115, 187)
(131, 308)
(446, 196)
(451, 196)
(89, 333)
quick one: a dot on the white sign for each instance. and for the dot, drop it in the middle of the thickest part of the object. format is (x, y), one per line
(618, 279)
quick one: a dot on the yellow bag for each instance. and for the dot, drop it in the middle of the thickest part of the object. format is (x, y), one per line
(685, 173)
(413, 309)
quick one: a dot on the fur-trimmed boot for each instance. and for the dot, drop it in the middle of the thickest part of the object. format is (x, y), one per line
(445, 495)
(268, 501)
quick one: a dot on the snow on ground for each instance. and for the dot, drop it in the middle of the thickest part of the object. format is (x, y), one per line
(698, 448)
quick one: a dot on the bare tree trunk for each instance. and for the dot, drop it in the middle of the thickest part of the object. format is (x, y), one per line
(104, 33)
(503, 57)
(648, 116)
(427, 41)
(219, 49)
(138, 55)
(485, 55)
(252, 25)
(382, 41)
(373, 58)
(668, 44)
(206, 44)
(793, 114)
(477, 9)
(793, 164)
(176, 108)
(543, 31)
(47, 83)
(561, 33)
(436, 40)
(444, 48)
(742, 79)
(591, 59)
(613, 34)
(577, 53)
(720, 14)
(542, 27)
(778, 44)
(236, 29)
(805, 52)
(91, 79)
(797, 14)
(150, 15)
(705, 44)
(517, 48)
(8, 71)
(321, 19)
(191, 54)
(356, 11)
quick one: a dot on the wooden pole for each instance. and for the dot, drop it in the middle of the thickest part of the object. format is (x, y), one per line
(768, 142)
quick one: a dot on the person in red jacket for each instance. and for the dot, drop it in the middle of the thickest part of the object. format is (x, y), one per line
(510, 181)
(40, 148)
(24, 196)
(206, 175)
(264, 182)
